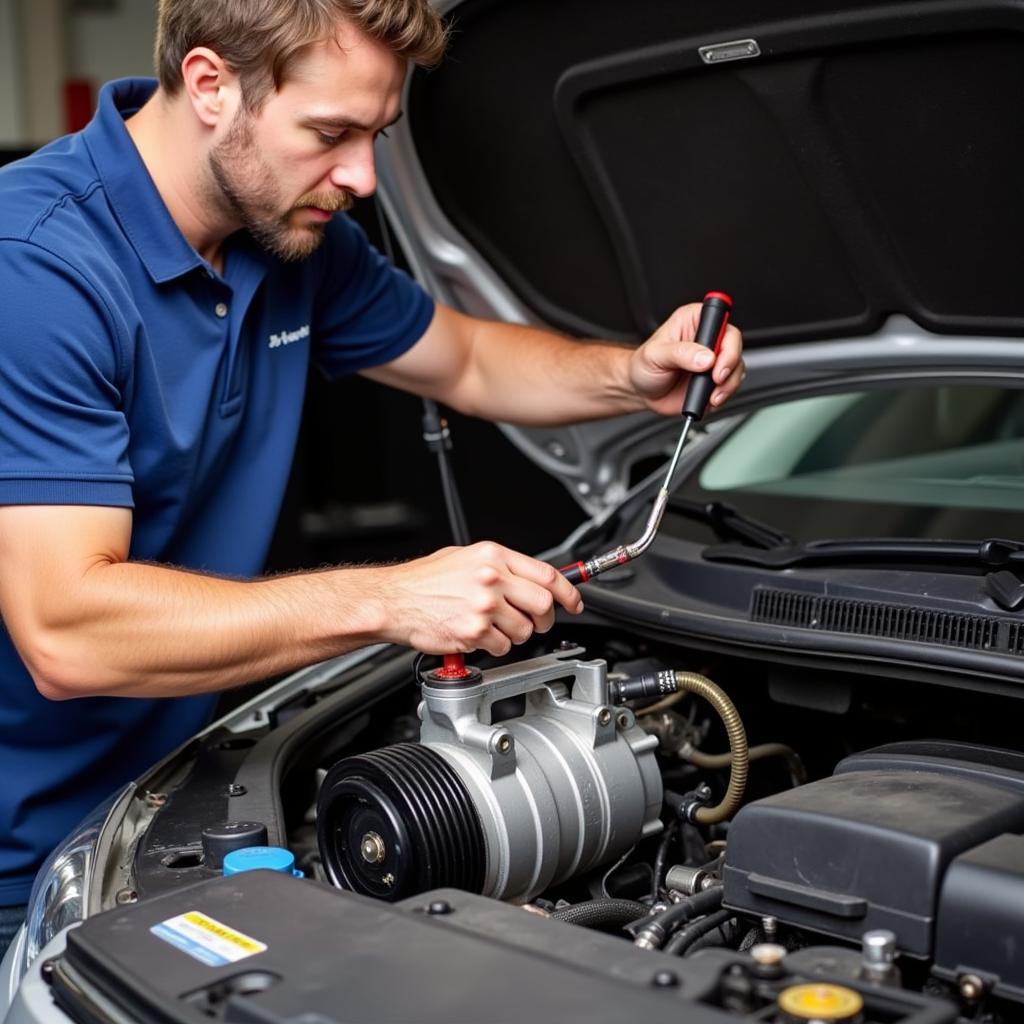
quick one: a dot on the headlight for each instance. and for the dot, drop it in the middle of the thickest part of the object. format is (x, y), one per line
(60, 893)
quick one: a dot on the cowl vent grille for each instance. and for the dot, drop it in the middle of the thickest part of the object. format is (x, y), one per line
(891, 621)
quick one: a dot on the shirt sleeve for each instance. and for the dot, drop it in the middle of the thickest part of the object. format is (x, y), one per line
(63, 434)
(367, 312)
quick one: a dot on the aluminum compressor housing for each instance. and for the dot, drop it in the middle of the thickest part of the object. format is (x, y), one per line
(503, 808)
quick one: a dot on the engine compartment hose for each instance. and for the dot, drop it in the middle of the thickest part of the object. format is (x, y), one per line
(686, 937)
(601, 913)
(652, 933)
(701, 686)
(795, 767)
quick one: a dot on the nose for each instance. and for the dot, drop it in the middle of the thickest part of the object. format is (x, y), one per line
(357, 172)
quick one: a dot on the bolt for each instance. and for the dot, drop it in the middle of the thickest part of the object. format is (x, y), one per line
(236, 789)
(372, 848)
(878, 950)
(665, 979)
(768, 958)
(604, 716)
(504, 743)
(439, 907)
(388, 879)
(125, 896)
(623, 720)
(583, 487)
(972, 988)
(556, 449)
(47, 969)
(566, 645)
(770, 927)
(155, 800)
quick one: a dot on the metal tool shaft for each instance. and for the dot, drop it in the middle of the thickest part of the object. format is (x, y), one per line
(713, 319)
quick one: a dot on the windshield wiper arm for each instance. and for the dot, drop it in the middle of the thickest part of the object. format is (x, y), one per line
(729, 523)
(993, 553)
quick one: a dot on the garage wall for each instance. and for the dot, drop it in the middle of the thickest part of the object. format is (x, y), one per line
(11, 128)
(111, 40)
(45, 43)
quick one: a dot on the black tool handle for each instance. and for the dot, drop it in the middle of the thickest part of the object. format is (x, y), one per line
(714, 315)
(575, 573)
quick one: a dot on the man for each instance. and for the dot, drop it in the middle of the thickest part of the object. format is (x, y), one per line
(167, 275)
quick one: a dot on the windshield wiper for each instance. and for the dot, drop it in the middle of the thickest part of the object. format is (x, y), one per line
(729, 523)
(989, 554)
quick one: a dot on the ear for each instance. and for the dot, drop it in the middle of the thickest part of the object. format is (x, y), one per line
(211, 86)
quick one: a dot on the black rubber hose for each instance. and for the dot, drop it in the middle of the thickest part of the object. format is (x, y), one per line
(685, 910)
(653, 932)
(435, 433)
(601, 913)
(725, 935)
(684, 939)
(662, 856)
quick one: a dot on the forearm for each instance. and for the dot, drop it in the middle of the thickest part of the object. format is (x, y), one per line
(533, 377)
(88, 622)
(134, 629)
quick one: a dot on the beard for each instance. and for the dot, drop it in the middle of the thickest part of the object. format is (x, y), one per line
(243, 183)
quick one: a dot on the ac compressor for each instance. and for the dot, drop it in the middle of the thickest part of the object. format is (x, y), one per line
(503, 808)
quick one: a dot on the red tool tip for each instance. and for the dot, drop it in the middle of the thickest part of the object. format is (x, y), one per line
(454, 667)
(719, 295)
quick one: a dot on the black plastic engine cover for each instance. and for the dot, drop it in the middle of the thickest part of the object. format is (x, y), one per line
(865, 849)
(980, 928)
(265, 948)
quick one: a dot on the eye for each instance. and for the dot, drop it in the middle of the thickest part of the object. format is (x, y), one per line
(328, 139)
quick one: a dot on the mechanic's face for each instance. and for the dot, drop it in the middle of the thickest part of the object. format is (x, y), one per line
(284, 171)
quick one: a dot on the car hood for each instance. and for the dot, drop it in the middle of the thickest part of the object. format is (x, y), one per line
(846, 171)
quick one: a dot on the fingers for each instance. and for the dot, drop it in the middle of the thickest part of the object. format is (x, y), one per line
(729, 385)
(688, 355)
(664, 361)
(548, 577)
(481, 597)
(521, 594)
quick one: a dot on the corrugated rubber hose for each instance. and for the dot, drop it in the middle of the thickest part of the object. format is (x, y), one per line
(602, 913)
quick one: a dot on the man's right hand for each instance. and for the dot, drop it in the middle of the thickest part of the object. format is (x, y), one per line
(89, 622)
(482, 597)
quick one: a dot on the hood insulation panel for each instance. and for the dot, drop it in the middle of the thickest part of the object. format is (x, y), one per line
(864, 162)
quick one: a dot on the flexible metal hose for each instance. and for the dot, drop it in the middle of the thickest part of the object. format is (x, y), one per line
(797, 773)
(691, 682)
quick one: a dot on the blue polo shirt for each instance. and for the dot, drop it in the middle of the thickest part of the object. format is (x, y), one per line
(134, 375)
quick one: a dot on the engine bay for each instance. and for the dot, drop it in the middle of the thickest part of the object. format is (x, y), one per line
(761, 827)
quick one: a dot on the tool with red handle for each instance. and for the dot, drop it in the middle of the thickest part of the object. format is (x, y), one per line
(714, 316)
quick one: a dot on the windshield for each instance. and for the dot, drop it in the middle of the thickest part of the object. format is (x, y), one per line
(942, 462)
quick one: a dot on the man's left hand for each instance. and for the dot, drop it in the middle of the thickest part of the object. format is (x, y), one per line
(660, 369)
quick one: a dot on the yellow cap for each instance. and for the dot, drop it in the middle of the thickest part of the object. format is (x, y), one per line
(820, 1001)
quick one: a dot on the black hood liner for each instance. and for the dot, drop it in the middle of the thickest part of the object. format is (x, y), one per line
(869, 162)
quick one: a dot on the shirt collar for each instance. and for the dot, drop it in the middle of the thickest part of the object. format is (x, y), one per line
(138, 206)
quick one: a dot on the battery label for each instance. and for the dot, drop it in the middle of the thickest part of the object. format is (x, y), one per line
(206, 939)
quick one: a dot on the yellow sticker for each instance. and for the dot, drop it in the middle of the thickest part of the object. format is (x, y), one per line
(206, 939)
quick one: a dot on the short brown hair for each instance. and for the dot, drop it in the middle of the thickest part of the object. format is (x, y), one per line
(259, 39)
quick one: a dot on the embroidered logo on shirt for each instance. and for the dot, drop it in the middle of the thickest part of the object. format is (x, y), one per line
(287, 337)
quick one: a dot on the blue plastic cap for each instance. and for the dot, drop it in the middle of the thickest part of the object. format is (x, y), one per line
(265, 858)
